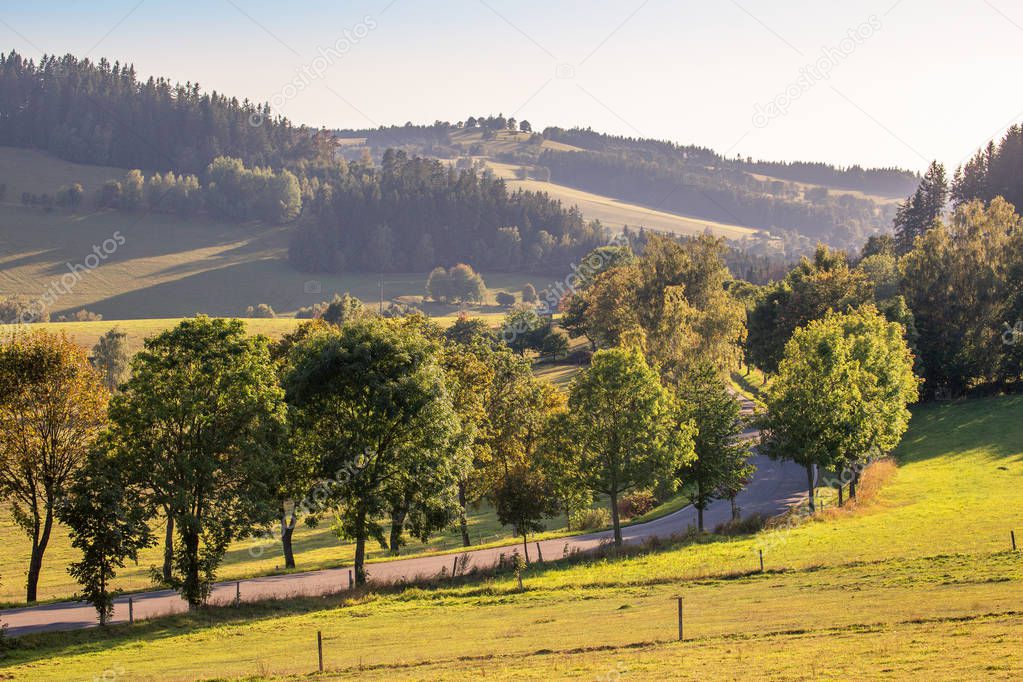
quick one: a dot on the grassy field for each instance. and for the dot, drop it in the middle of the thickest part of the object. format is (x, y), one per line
(315, 548)
(615, 213)
(28, 170)
(86, 334)
(166, 267)
(837, 191)
(169, 268)
(915, 581)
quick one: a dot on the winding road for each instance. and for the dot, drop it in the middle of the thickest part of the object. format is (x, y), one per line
(775, 486)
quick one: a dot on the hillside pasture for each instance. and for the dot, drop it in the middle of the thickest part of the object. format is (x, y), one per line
(617, 214)
(916, 580)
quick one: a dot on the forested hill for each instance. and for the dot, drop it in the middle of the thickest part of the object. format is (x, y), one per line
(472, 190)
(894, 183)
(102, 113)
(818, 201)
(195, 153)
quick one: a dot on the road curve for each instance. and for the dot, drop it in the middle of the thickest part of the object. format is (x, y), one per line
(775, 486)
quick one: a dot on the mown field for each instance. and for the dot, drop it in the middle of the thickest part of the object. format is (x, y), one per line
(916, 581)
(616, 213)
(167, 267)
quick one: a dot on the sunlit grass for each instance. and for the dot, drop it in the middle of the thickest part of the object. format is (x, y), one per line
(917, 580)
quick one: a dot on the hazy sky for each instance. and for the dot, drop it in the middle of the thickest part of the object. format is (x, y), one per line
(870, 82)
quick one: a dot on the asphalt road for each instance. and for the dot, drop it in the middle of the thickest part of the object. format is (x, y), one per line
(775, 487)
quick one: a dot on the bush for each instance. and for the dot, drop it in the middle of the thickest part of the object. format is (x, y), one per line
(636, 504)
(505, 299)
(554, 345)
(14, 310)
(590, 519)
(753, 523)
(82, 315)
(263, 310)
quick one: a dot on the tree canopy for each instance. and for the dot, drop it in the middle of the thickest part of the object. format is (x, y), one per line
(201, 423)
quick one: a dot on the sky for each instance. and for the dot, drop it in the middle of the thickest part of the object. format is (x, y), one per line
(875, 83)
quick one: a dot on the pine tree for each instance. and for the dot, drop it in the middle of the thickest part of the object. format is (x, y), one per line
(920, 212)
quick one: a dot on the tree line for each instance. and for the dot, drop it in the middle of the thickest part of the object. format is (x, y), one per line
(718, 193)
(412, 214)
(228, 191)
(396, 427)
(101, 113)
(843, 371)
(948, 275)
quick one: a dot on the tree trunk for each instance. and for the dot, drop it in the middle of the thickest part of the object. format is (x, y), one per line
(463, 522)
(103, 610)
(39, 542)
(840, 486)
(168, 549)
(192, 589)
(809, 487)
(735, 508)
(360, 549)
(398, 515)
(701, 503)
(287, 531)
(616, 522)
(852, 484)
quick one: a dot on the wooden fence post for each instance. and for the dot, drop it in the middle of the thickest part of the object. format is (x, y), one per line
(319, 648)
(131, 611)
(539, 554)
(238, 593)
(1012, 534)
(351, 580)
(454, 567)
(680, 634)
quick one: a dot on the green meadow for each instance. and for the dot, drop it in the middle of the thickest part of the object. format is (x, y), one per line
(921, 566)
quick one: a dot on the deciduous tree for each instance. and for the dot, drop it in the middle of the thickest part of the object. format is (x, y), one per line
(107, 525)
(371, 404)
(620, 432)
(111, 357)
(201, 423)
(721, 461)
(52, 408)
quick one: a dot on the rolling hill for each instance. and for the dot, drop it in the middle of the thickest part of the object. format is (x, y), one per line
(166, 267)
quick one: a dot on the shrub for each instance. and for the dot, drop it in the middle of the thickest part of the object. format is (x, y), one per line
(262, 310)
(14, 310)
(82, 315)
(591, 519)
(554, 345)
(753, 523)
(529, 294)
(636, 503)
(505, 299)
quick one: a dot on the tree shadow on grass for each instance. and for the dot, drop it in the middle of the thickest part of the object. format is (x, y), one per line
(991, 424)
